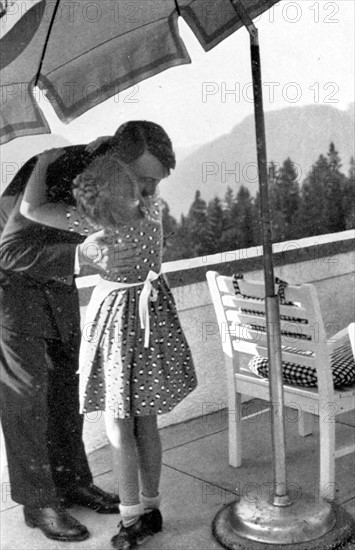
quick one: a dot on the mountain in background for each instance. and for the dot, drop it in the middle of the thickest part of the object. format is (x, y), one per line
(301, 133)
(183, 152)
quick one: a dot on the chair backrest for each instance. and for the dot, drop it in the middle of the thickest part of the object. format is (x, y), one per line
(241, 315)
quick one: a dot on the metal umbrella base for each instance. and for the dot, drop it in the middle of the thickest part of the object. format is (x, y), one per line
(304, 525)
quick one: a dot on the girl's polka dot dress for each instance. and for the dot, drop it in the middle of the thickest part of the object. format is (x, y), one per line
(121, 376)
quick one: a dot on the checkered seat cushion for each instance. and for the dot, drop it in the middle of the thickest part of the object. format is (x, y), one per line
(342, 358)
(342, 365)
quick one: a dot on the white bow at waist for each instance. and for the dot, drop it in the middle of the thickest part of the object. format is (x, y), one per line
(103, 289)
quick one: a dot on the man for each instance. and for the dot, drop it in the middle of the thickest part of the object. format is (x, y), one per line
(41, 333)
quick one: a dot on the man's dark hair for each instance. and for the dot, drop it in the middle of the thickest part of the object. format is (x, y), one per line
(134, 138)
(129, 143)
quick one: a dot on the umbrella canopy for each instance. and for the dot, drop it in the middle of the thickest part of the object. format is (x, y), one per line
(81, 53)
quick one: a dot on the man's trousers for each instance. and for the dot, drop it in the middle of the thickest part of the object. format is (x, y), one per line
(41, 422)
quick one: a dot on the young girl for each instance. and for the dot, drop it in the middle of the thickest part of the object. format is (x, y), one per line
(135, 362)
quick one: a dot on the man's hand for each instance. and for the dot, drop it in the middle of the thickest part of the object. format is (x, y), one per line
(96, 252)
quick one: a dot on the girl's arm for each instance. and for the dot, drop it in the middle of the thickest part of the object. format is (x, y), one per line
(34, 205)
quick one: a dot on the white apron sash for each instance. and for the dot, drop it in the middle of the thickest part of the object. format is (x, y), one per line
(102, 290)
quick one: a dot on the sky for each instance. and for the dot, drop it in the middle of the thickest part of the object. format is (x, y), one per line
(307, 58)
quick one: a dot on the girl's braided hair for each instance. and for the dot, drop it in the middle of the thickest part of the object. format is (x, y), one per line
(92, 192)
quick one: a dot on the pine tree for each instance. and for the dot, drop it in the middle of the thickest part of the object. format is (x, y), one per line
(325, 203)
(197, 222)
(227, 240)
(244, 218)
(170, 227)
(349, 197)
(214, 226)
(228, 199)
(334, 185)
(181, 245)
(333, 157)
(284, 201)
(311, 213)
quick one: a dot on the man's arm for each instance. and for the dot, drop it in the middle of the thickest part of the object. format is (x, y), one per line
(30, 248)
(34, 204)
(44, 253)
(35, 250)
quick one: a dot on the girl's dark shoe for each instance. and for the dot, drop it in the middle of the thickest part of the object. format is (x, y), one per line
(153, 520)
(129, 537)
(55, 523)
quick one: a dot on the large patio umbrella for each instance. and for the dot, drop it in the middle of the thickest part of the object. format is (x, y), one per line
(81, 53)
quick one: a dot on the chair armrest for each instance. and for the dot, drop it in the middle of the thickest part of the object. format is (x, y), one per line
(351, 330)
(335, 340)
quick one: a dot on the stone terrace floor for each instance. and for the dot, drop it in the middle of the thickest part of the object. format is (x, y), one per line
(197, 481)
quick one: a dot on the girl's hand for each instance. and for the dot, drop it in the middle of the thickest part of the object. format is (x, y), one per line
(93, 145)
(50, 155)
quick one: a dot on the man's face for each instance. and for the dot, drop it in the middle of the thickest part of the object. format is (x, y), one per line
(149, 171)
(123, 187)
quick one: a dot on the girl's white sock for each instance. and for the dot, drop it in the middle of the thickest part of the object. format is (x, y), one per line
(130, 514)
(150, 503)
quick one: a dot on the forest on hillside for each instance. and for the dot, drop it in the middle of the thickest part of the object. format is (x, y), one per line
(324, 202)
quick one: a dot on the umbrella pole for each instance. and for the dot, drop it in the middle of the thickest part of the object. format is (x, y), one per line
(280, 496)
(259, 523)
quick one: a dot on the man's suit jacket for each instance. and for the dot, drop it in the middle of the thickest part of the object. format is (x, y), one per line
(37, 291)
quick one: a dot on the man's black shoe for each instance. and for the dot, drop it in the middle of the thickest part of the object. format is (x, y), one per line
(55, 523)
(94, 498)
